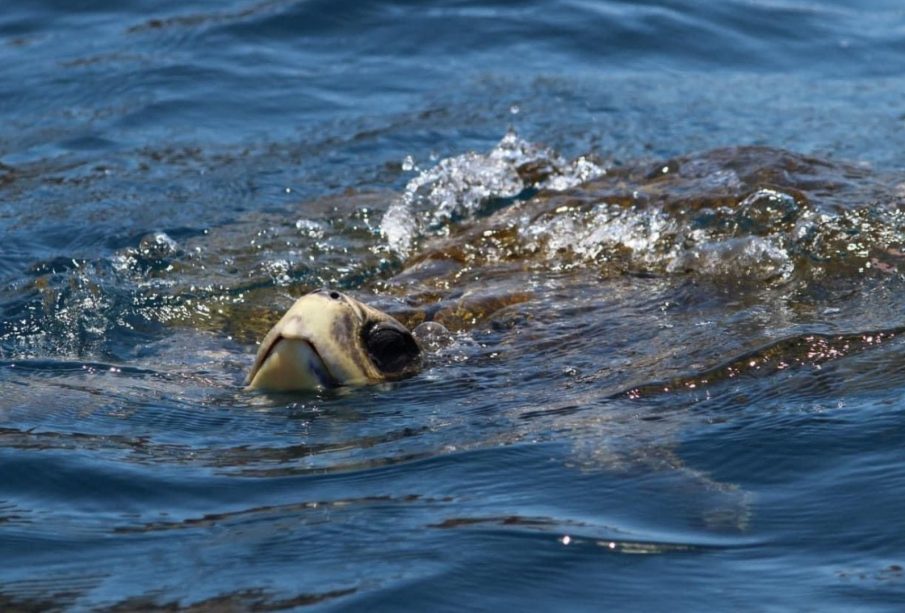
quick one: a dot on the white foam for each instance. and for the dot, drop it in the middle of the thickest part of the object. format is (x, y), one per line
(457, 187)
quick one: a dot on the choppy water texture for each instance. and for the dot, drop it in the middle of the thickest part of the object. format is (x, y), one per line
(667, 236)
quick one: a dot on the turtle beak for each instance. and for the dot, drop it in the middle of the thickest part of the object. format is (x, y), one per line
(292, 364)
(316, 345)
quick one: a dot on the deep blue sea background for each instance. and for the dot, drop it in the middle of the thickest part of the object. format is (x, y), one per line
(172, 173)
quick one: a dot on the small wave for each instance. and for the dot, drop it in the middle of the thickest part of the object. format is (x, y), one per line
(461, 186)
(810, 351)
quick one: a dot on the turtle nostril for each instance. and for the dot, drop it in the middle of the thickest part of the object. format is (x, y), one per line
(334, 295)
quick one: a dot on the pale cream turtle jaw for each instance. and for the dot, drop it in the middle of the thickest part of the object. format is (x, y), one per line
(328, 339)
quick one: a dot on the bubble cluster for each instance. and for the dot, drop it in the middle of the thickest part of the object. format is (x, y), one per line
(460, 187)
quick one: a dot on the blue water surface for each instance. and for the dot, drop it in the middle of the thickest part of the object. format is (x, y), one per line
(173, 173)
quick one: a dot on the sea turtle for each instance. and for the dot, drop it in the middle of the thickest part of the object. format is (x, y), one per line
(778, 217)
(327, 339)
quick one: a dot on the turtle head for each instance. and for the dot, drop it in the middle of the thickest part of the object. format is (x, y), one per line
(328, 339)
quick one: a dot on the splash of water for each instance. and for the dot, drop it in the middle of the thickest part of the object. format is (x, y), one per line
(460, 186)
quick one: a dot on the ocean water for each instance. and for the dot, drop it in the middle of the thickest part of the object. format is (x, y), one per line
(666, 237)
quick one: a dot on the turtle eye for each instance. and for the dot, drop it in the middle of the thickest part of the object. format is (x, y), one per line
(391, 349)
